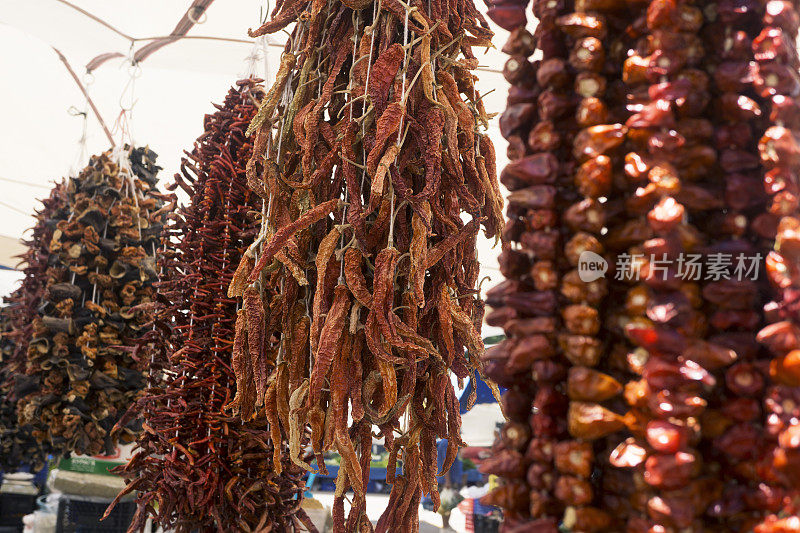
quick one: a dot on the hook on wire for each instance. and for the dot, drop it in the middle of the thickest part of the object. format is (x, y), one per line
(191, 15)
(81, 152)
(123, 122)
(75, 112)
(134, 72)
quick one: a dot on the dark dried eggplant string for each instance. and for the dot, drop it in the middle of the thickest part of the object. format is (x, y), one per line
(96, 285)
(18, 446)
(197, 467)
(367, 163)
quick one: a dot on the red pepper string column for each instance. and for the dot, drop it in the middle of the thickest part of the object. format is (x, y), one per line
(566, 164)
(662, 315)
(368, 154)
(776, 81)
(524, 304)
(196, 466)
(17, 445)
(596, 37)
(707, 95)
(732, 442)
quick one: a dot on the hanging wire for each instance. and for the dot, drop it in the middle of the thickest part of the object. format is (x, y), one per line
(258, 53)
(81, 86)
(251, 61)
(127, 101)
(82, 154)
(175, 38)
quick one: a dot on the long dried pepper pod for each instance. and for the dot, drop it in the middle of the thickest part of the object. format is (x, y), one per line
(196, 467)
(17, 443)
(99, 274)
(362, 283)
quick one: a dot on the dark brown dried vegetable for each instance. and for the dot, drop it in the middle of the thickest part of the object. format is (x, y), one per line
(99, 277)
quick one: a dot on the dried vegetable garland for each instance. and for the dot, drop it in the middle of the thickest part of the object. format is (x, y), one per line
(669, 323)
(359, 295)
(17, 444)
(99, 273)
(561, 131)
(776, 80)
(647, 132)
(197, 467)
(18, 447)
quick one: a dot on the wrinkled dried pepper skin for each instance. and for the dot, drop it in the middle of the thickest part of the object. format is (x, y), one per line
(197, 465)
(677, 130)
(18, 446)
(668, 387)
(369, 159)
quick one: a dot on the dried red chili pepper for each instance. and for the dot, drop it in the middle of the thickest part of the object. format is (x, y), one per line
(564, 219)
(196, 466)
(370, 182)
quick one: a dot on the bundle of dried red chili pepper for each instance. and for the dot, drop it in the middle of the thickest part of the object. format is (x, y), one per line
(197, 467)
(98, 273)
(17, 444)
(670, 100)
(362, 283)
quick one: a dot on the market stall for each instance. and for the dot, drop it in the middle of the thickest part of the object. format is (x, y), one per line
(400, 266)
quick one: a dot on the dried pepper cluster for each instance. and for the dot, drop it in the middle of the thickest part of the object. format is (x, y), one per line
(775, 79)
(359, 294)
(650, 400)
(563, 130)
(196, 466)
(17, 444)
(79, 378)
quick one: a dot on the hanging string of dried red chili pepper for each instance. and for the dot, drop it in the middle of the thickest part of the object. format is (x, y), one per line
(367, 153)
(777, 83)
(561, 124)
(196, 466)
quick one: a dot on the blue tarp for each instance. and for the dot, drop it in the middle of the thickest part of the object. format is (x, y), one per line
(484, 393)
